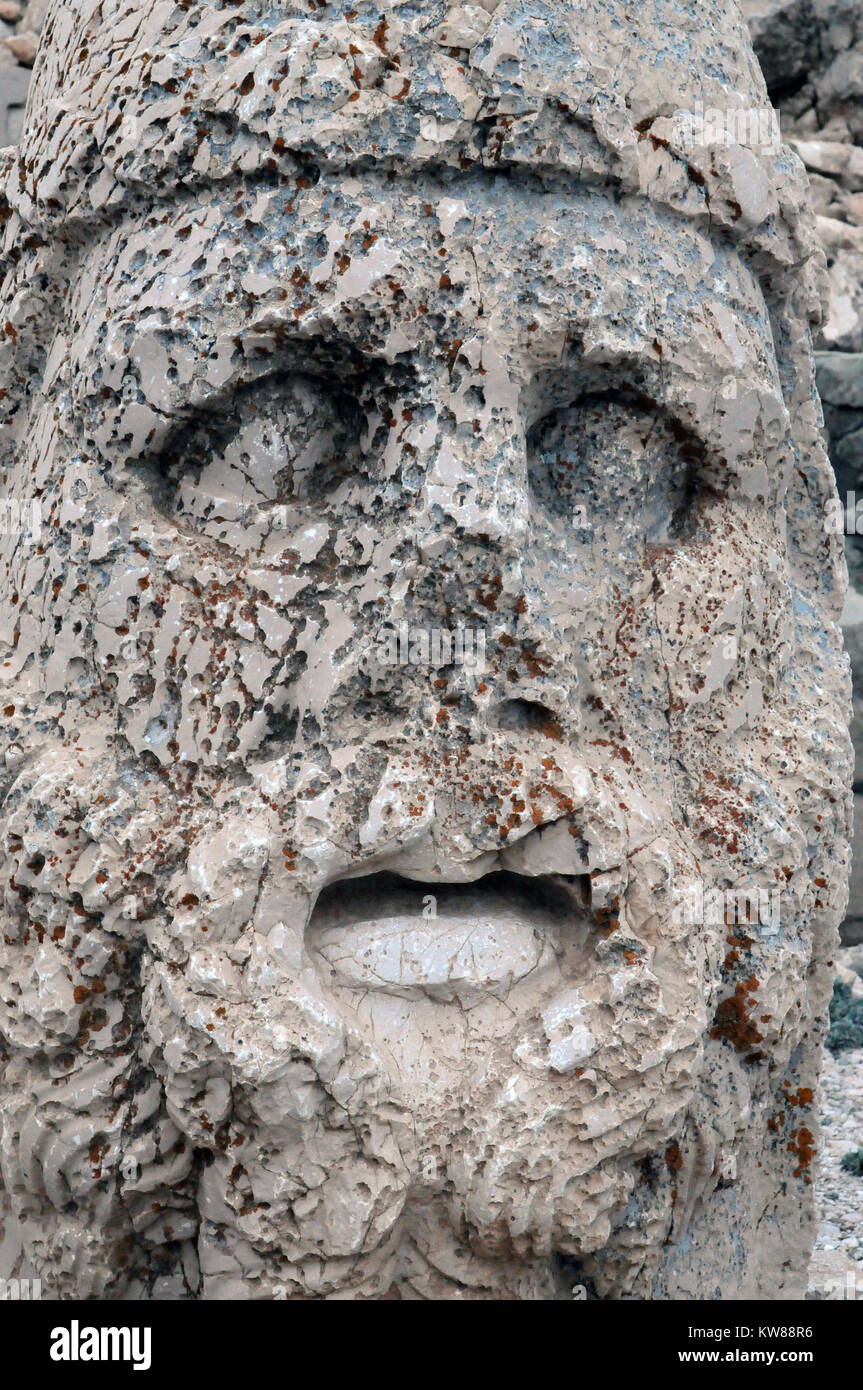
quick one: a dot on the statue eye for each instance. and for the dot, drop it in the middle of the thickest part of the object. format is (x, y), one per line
(286, 442)
(603, 465)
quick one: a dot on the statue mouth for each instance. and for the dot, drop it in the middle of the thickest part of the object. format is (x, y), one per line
(446, 940)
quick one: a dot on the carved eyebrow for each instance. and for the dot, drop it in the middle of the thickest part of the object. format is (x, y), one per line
(329, 359)
(332, 358)
(655, 376)
(221, 415)
(640, 381)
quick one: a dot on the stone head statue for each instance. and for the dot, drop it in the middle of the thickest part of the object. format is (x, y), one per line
(425, 781)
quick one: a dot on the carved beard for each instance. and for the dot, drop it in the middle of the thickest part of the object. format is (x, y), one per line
(314, 1161)
(336, 1145)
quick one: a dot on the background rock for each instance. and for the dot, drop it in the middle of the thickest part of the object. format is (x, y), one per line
(836, 1271)
(19, 37)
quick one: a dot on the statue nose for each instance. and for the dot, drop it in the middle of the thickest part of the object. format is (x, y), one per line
(477, 488)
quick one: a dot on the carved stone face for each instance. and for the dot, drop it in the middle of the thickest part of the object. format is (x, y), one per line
(427, 589)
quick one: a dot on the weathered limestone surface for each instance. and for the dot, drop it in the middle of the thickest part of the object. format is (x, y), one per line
(327, 976)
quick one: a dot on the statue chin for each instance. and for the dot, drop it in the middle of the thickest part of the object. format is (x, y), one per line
(426, 796)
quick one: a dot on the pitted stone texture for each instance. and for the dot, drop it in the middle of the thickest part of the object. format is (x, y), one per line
(327, 325)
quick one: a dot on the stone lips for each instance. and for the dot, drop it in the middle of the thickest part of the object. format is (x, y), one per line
(401, 936)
